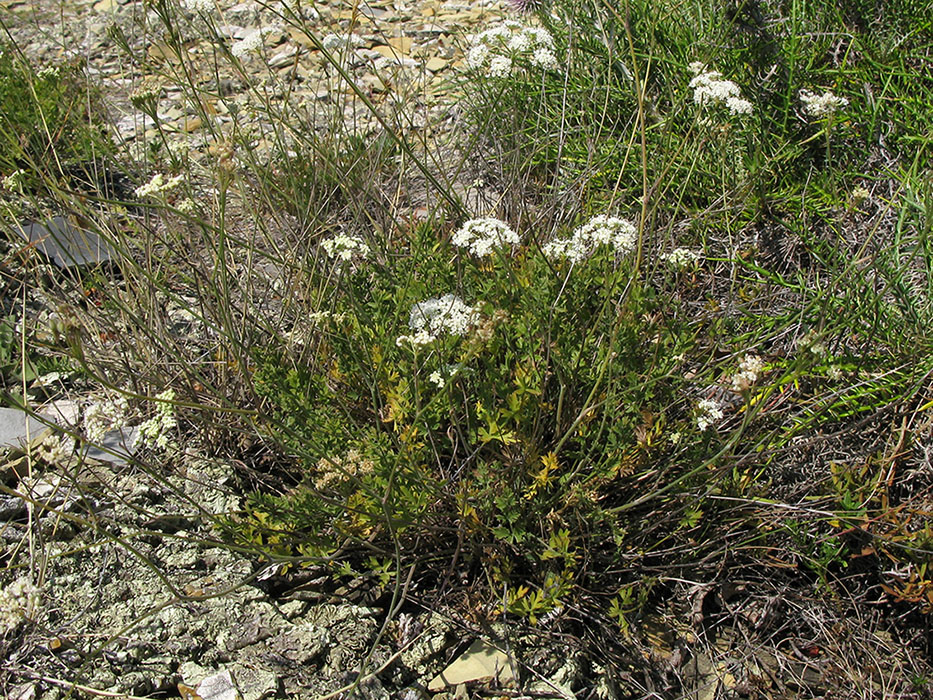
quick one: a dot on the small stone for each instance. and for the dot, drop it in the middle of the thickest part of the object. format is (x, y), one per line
(388, 51)
(481, 662)
(220, 686)
(401, 43)
(64, 412)
(23, 692)
(117, 447)
(436, 64)
(192, 124)
(15, 425)
(301, 38)
(161, 53)
(284, 58)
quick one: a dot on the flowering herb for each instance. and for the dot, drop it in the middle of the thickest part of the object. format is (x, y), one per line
(600, 230)
(344, 247)
(496, 51)
(682, 258)
(156, 431)
(709, 413)
(709, 87)
(430, 319)
(251, 42)
(158, 184)
(821, 105)
(750, 369)
(482, 236)
(18, 601)
(103, 416)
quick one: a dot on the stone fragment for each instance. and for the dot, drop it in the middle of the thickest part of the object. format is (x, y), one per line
(401, 43)
(163, 52)
(16, 425)
(192, 124)
(11, 507)
(64, 412)
(481, 662)
(117, 447)
(436, 64)
(220, 686)
(65, 244)
(285, 57)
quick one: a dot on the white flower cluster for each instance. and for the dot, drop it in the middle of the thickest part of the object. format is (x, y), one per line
(497, 49)
(859, 195)
(434, 317)
(14, 181)
(198, 5)
(600, 230)
(103, 416)
(251, 42)
(344, 247)
(320, 318)
(158, 184)
(437, 379)
(750, 369)
(709, 413)
(18, 601)
(811, 342)
(709, 87)
(682, 258)
(821, 105)
(56, 449)
(481, 236)
(186, 206)
(155, 432)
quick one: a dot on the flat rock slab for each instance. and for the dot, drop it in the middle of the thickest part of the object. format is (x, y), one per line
(15, 425)
(117, 447)
(482, 662)
(66, 245)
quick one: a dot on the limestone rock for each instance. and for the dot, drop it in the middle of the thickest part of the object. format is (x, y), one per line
(482, 662)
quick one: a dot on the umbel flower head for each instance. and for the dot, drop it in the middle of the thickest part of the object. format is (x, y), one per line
(156, 432)
(709, 87)
(19, 601)
(708, 414)
(682, 258)
(158, 184)
(432, 318)
(598, 231)
(750, 369)
(482, 236)
(496, 51)
(251, 42)
(821, 105)
(344, 247)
